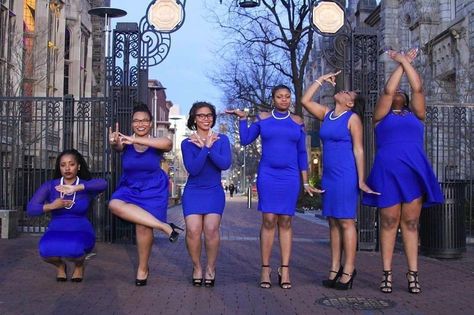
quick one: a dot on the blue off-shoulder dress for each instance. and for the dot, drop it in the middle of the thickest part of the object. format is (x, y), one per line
(203, 192)
(143, 182)
(401, 171)
(69, 233)
(339, 180)
(283, 158)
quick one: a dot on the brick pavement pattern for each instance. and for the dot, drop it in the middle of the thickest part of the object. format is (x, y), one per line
(28, 285)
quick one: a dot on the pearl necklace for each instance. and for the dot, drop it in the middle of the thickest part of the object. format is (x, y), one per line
(280, 118)
(334, 118)
(61, 182)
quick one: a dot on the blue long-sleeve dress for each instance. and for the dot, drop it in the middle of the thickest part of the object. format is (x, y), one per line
(203, 192)
(284, 156)
(401, 171)
(69, 233)
(143, 182)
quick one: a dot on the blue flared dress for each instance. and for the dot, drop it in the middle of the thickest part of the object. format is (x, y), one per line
(203, 192)
(143, 182)
(283, 158)
(69, 233)
(339, 179)
(401, 171)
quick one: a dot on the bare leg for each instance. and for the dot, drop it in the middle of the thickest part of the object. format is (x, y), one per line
(144, 244)
(285, 235)
(78, 272)
(212, 223)
(59, 264)
(335, 240)
(194, 224)
(349, 243)
(267, 236)
(137, 215)
(389, 222)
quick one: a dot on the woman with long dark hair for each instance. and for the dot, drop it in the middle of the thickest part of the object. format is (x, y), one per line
(205, 154)
(343, 175)
(142, 193)
(67, 197)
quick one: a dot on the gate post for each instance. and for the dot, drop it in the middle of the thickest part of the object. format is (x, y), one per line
(68, 121)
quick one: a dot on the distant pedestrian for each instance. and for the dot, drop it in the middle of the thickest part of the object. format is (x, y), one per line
(205, 154)
(401, 171)
(67, 197)
(343, 175)
(231, 190)
(142, 193)
(284, 160)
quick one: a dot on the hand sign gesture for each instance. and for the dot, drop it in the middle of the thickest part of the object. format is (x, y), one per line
(330, 77)
(239, 113)
(114, 136)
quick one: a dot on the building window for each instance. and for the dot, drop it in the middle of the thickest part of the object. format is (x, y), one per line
(84, 56)
(67, 48)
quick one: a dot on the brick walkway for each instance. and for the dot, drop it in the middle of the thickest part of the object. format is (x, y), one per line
(28, 286)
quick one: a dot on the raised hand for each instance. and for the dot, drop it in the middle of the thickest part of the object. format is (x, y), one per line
(330, 77)
(67, 189)
(211, 138)
(239, 113)
(114, 136)
(124, 139)
(411, 54)
(401, 57)
(194, 138)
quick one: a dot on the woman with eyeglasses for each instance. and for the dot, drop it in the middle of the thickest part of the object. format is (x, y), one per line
(343, 175)
(141, 196)
(67, 197)
(401, 171)
(283, 164)
(205, 154)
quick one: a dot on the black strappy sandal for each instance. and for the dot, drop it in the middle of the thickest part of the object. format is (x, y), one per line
(386, 285)
(331, 283)
(283, 285)
(413, 285)
(266, 284)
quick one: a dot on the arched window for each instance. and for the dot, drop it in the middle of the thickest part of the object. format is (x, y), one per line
(67, 48)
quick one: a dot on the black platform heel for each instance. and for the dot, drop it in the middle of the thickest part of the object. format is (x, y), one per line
(348, 285)
(330, 283)
(283, 285)
(386, 285)
(413, 285)
(174, 235)
(142, 282)
(266, 284)
(209, 283)
(197, 282)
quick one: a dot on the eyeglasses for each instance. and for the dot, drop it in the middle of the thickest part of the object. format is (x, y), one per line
(141, 121)
(204, 116)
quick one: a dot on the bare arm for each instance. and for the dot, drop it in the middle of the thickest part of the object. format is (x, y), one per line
(114, 139)
(417, 104)
(316, 109)
(163, 143)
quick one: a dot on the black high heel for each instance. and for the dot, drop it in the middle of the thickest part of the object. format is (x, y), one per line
(209, 283)
(174, 235)
(283, 285)
(386, 285)
(63, 279)
(142, 282)
(348, 285)
(266, 284)
(330, 283)
(413, 285)
(78, 279)
(197, 282)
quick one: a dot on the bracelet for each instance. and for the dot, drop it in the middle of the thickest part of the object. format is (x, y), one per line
(318, 82)
(305, 185)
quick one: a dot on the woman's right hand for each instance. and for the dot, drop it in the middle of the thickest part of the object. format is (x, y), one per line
(400, 57)
(329, 77)
(239, 113)
(114, 136)
(59, 203)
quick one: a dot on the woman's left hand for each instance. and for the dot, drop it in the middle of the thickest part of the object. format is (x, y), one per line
(211, 138)
(194, 138)
(310, 190)
(363, 186)
(66, 189)
(124, 139)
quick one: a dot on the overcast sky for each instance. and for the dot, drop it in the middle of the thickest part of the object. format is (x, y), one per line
(184, 71)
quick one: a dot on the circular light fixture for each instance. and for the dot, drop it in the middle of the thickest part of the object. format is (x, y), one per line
(166, 15)
(249, 3)
(327, 17)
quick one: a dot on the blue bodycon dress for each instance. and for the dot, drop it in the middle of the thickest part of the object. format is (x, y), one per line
(401, 171)
(283, 158)
(143, 182)
(69, 233)
(203, 192)
(339, 168)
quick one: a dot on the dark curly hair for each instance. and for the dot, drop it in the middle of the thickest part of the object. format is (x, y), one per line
(82, 173)
(141, 108)
(359, 106)
(192, 114)
(279, 87)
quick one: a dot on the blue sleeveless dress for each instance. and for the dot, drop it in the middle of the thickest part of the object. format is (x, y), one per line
(70, 233)
(203, 192)
(283, 158)
(339, 180)
(401, 171)
(143, 182)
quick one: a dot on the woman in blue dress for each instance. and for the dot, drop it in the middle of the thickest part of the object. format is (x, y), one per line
(142, 193)
(68, 198)
(401, 171)
(284, 159)
(205, 154)
(343, 176)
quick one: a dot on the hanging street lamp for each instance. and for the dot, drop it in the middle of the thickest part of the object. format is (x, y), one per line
(166, 16)
(248, 3)
(327, 17)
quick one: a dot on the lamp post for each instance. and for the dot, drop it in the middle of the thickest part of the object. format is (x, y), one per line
(154, 107)
(175, 157)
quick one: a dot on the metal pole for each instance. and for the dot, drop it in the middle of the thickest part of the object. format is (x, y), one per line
(155, 113)
(249, 197)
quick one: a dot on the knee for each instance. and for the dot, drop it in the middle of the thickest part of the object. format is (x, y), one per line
(268, 224)
(346, 224)
(211, 232)
(114, 207)
(193, 232)
(411, 225)
(285, 224)
(389, 223)
(143, 230)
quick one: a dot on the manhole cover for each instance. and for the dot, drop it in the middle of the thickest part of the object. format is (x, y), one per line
(356, 303)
